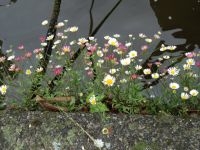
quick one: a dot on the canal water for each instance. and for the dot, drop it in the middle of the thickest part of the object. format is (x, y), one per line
(177, 19)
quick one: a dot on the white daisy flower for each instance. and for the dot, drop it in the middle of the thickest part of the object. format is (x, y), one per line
(112, 71)
(148, 40)
(50, 37)
(174, 85)
(11, 57)
(45, 22)
(173, 71)
(99, 53)
(92, 100)
(60, 24)
(194, 92)
(98, 143)
(125, 61)
(3, 89)
(138, 67)
(109, 80)
(147, 71)
(132, 54)
(40, 69)
(128, 44)
(185, 96)
(113, 42)
(73, 29)
(186, 67)
(155, 75)
(190, 61)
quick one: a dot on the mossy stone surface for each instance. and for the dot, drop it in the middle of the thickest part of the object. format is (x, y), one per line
(36, 130)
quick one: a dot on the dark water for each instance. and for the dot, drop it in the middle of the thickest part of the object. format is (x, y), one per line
(20, 22)
(178, 20)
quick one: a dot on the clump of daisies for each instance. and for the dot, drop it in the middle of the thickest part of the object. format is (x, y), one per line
(115, 76)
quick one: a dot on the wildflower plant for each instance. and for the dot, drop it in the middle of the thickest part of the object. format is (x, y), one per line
(108, 77)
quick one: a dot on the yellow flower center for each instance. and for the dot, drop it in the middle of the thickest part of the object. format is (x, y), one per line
(109, 81)
(93, 101)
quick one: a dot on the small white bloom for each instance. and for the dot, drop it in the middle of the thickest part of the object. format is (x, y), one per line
(156, 36)
(127, 72)
(101, 61)
(28, 72)
(109, 80)
(113, 42)
(60, 24)
(155, 75)
(39, 56)
(57, 42)
(190, 61)
(166, 57)
(45, 22)
(138, 67)
(184, 96)
(194, 92)
(91, 38)
(130, 35)
(186, 89)
(174, 85)
(9, 51)
(132, 54)
(57, 146)
(106, 37)
(99, 53)
(123, 81)
(171, 48)
(43, 44)
(81, 94)
(128, 44)
(163, 48)
(141, 35)
(125, 62)
(186, 66)
(87, 68)
(11, 57)
(148, 40)
(82, 41)
(116, 35)
(93, 100)
(173, 71)
(98, 143)
(54, 46)
(3, 89)
(147, 71)
(112, 71)
(2, 59)
(73, 29)
(64, 37)
(40, 69)
(50, 37)
(72, 42)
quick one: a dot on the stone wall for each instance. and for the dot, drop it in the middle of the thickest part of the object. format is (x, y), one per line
(21, 130)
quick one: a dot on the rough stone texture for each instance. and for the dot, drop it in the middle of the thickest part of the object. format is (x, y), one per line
(55, 131)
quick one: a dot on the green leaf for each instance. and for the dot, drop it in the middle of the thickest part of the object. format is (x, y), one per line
(99, 107)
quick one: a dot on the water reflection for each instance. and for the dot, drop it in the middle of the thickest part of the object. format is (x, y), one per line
(7, 3)
(182, 14)
(172, 15)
